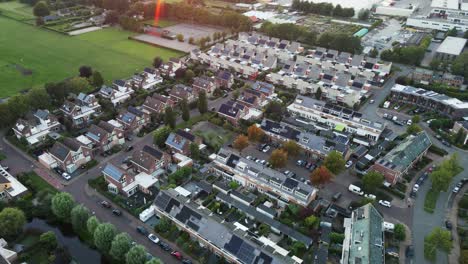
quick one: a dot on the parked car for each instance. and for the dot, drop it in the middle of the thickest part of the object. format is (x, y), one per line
(370, 196)
(66, 176)
(448, 224)
(300, 163)
(186, 261)
(129, 138)
(165, 246)
(385, 203)
(266, 149)
(153, 238)
(396, 107)
(416, 187)
(446, 143)
(249, 157)
(409, 251)
(456, 189)
(412, 194)
(117, 212)
(106, 204)
(308, 165)
(371, 101)
(349, 163)
(177, 255)
(142, 230)
(336, 196)
(128, 148)
(58, 170)
(409, 122)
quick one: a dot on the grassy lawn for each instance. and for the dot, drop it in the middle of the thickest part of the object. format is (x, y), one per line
(430, 201)
(162, 22)
(37, 183)
(16, 10)
(53, 57)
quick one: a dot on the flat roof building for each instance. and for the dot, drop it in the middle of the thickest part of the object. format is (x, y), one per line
(450, 48)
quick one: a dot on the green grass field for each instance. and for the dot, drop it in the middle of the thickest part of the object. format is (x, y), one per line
(162, 22)
(16, 10)
(53, 57)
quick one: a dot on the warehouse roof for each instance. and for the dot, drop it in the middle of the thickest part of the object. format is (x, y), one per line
(452, 46)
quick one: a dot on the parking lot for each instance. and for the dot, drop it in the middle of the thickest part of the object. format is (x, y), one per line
(383, 36)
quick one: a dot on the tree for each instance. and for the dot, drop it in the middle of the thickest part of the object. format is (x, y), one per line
(202, 102)
(180, 37)
(452, 32)
(373, 53)
(312, 221)
(157, 61)
(191, 41)
(41, 9)
(279, 158)
(233, 185)
(274, 110)
(194, 151)
(460, 137)
(334, 162)
(48, 241)
(120, 246)
(92, 224)
(297, 247)
(460, 65)
(97, 81)
(169, 117)
(413, 129)
(372, 180)
(435, 64)
(62, 204)
(12, 221)
(79, 216)
(103, 236)
(320, 176)
(241, 142)
(38, 98)
(438, 239)
(255, 133)
(292, 148)
(136, 255)
(318, 93)
(400, 232)
(441, 179)
(416, 119)
(179, 73)
(86, 71)
(185, 110)
(160, 135)
(77, 85)
(189, 74)
(363, 14)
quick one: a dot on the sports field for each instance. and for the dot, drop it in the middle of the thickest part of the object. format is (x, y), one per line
(30, 57)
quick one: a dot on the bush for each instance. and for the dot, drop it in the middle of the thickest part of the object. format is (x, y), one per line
(394, 192)
(436, 150)
(430, 200)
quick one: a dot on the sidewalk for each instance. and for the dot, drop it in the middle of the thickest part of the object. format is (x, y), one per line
(452, 216)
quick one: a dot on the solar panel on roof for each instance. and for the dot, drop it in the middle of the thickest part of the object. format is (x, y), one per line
(246, 253)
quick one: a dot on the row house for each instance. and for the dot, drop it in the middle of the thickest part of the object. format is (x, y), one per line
(252, 99)
(157, 103)
(180, 92)
(429, 100)
(147, 79)
(204, 83)
(427, 77)
(233, 111)
(36, 126)
(70, 155)
(274, 184)
(82, 110)
(330, 116)
(134, 119)
(150, 161)
(180, 141)
(116, 93)
(271, 43)
(265, 88)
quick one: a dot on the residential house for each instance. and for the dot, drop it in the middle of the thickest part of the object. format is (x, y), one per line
(252, 98)
(399, 160)
(180, 92)
(265, 88)
(147, 79)
(224, 79)
(179, 141)
(118, 180)
(36, 126)
(134, 119)
(233, 111)
(168, 69)
(463, 126)
(115, 131)
(422, 75)
(82, 110)
(364, 240)
(150, 161)
(10, 187)
(157, 103)
(204, 83)
(117, 93)
(70, 154)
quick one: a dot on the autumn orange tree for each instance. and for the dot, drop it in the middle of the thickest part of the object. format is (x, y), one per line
(241, 142)
(279, 158)
(321, 175)
(292, 147)
(255, 133)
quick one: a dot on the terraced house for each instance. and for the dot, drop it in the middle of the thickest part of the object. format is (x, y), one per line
(233, 167)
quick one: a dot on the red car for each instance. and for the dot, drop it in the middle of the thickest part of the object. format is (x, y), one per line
(177, 255)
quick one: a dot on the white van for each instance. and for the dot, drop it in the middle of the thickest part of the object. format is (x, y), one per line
(355, 189)
(386, 104)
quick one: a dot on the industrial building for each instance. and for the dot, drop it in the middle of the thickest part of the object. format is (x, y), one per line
(450, 48)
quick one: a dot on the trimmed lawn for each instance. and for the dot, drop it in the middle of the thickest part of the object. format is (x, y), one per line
(54, 57)
(16, 10)
(430, 201)
(162, 22)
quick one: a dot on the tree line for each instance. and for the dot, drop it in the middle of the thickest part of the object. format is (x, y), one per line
(412, 55)
(292, 32)
(325, 9)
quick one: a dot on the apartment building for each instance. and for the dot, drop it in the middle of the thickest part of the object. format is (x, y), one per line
(272, 183)
(429, 100)
(335, 117)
